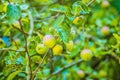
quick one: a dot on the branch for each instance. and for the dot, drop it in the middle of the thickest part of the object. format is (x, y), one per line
(47, 18)
(19, 30)
(31, 25)
(63, 68)
(41, 61)
(9, 49)
(92, 1)
(28, 67)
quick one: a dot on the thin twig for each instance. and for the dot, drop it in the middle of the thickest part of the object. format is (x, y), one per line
(31, 25)
(47, 18)
(19, 30)
(9, 49)
(91, 2)
(28, 67)
(63, 68)
(41, 61)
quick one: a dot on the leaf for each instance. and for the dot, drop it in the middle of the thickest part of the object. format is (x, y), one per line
(59, 8)
(118, 40)
(12, 75)
(116, 36)
(59, 20)
(60, 28)
(13, 13)
(79, 8)
(76, 50)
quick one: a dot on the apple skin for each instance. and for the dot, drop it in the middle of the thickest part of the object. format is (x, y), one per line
(49, 41)
(86, 54)
(57, 49)
(105, 30)
(41, 49)
(105, 4)
(81, 73)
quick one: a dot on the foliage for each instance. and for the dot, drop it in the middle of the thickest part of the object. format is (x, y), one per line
(90, 27)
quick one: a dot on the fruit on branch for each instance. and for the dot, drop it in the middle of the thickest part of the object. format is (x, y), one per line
(49, 41)
(69, 45)
(41, 49)
(81, 73)
(57, 49)
(86, 54)
(105, 31)
(105, 4)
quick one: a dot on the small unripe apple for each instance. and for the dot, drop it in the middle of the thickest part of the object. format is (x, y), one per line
(105, 3)
(81, 73)
(69, 46)
(105, 31)
(49, 41)
(57, 49)
(41, 49)
(86, 54)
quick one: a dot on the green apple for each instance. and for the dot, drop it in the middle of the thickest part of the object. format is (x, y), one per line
(105, 30)
(105, 3)
(41, 49)
(86, 54)
(57, 49)
(49, 41)
(81, 73)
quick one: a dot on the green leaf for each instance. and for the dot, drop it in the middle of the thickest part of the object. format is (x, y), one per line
(13, 13)
(79, 8)
(116, 36)
(59, 21)
(59, 8)
(60, 28)
(12, 75)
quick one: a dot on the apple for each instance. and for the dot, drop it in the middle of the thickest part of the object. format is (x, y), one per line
(105, 30)
(81, 73)
(86, 54)
(49, 41)
(105, 4)
(57, 49)
(41, 49)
